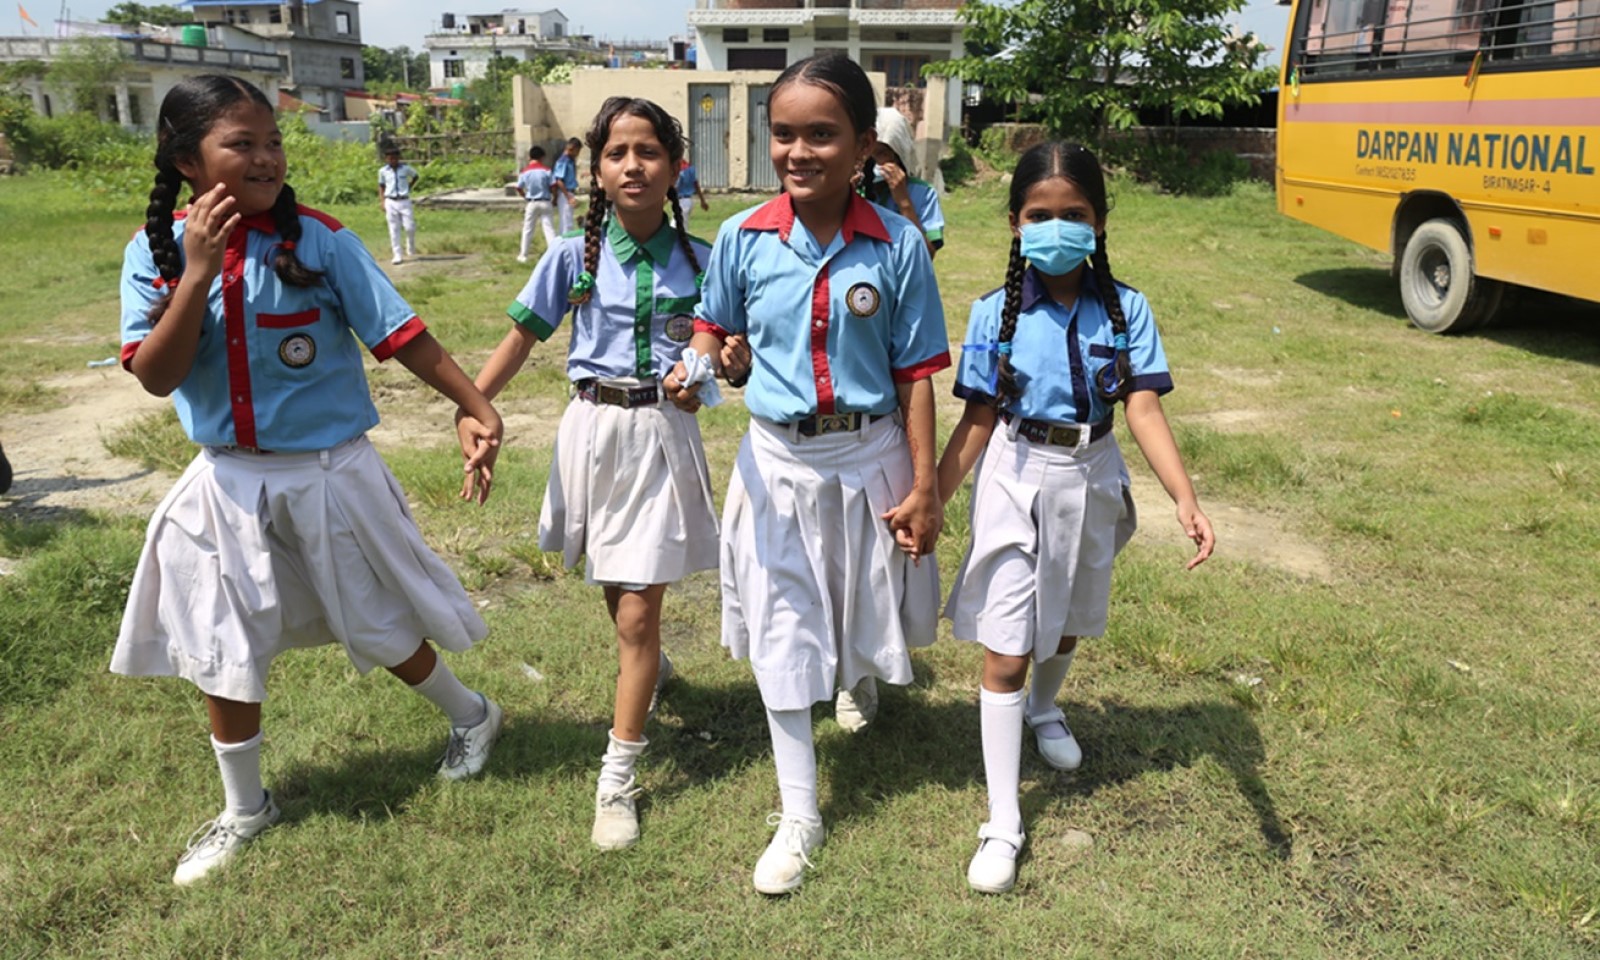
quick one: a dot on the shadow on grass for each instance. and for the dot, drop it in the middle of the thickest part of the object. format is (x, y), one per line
(1370, 288)
(29, 490)
(1563, 328)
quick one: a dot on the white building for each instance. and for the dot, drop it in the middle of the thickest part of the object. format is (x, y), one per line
(320, 39)
(894, 37)
(461, 46)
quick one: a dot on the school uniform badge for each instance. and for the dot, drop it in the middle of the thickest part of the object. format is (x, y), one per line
(863, 299)
(680, 328)
(297, 351)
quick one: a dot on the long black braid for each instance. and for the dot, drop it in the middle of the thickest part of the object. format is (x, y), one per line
(1101, 264)
(593, 233)
(187, 114)
(1007, 388)
(682, 229)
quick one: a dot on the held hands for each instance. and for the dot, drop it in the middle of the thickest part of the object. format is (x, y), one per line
(736, 359)
(685, 398)
(916, 523)
(1197, 528)
(210, 220)
(480, 446)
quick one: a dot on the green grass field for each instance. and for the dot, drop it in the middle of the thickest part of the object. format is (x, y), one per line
(1398, 755)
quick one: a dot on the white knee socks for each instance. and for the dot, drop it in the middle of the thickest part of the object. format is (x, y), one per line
(240, 764)
(1047, 679)
(796, 759)
(616, 766)
(464, 707)
(1001, 723)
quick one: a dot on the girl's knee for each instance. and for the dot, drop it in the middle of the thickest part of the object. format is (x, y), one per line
(1003, 673)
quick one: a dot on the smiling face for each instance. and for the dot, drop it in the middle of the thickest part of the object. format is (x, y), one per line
(243, 151)
(635, 169)
(815, 148)
(1055, 198)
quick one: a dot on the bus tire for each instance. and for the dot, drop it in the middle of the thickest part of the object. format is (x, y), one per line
(1437, 284)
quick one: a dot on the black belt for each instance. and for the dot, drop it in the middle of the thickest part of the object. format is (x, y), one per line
(643, 395)
(1058, 434)
(822, 424)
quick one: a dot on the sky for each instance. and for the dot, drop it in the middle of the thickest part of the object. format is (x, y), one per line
(395, 23)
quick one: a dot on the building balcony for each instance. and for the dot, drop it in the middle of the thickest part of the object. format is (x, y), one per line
(146, 52)
(794, 13)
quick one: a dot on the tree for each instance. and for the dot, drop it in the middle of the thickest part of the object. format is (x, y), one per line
(88, 69)
(1084, 67)
(397, 69)
(134, 14)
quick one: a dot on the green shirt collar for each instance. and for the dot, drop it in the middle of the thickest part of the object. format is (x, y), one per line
(658, 248)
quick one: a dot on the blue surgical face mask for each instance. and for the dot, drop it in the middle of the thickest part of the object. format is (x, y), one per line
(1057, 247)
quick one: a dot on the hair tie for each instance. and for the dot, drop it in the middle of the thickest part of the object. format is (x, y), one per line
(1004, 349)
(1120, 341)
(581, 288)
(287, 245)
(700, 280)
(162, 283)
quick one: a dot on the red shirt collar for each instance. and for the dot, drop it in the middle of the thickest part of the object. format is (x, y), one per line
(260, 222)
(778, 214)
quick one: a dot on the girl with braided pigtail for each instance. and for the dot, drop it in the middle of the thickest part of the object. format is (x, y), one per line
(287, 529)
(1043, 365)
(629, 489)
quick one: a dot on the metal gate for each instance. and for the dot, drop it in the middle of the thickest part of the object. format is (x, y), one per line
(762, 176)
(708, 131)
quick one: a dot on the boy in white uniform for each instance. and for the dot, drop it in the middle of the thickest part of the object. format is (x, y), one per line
(395, 180)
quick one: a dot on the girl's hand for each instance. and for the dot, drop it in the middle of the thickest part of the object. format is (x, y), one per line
(684, 398)
(209, 221)
(480, 446)
(1197, 528)
(899, 184)
(916, 523)
(736, 359)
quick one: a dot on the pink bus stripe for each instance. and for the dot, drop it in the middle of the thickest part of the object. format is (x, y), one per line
(1567, 112)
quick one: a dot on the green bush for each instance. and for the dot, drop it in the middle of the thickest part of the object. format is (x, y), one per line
(1213, 174)
(995, 148)
(68, 141)
(957, 165)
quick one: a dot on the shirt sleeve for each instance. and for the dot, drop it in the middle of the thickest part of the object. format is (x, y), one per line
(543, 300)
(722, 308)
(372, 307)
(1145, 353)
(931, 213)
(139, 294)
(978, 375)
(919, 345)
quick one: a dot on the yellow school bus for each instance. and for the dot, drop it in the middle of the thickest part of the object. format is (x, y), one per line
(1460, 136)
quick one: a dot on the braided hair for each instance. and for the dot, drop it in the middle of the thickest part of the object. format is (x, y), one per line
(1078, 165)
(188, 112)
(670, 134)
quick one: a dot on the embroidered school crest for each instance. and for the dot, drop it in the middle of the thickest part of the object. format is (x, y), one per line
(863, 299)
(680, 328)
(297, 351)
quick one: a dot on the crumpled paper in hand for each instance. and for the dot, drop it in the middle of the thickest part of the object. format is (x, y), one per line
(697, 369)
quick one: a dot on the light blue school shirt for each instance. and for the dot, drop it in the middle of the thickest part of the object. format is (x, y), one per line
(1056, 351)
(924, 200)
(277, 368)
(534, 182)
(834, 329)
(688, 182)
(641, 314)
(396, 181)
(567, 172)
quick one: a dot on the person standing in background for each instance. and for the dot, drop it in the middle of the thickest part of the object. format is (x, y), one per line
(565, 186)
(395, 181)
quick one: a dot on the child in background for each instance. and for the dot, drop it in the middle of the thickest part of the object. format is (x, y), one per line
(565, 184)
(395, 181)
(287, 530)
(1045, 361)
(836, 474)
(688, 188)
(630, 489)
(890, 183)
(533, 186)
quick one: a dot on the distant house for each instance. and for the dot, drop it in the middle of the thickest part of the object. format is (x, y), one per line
(460, 46)
(320, 41)
(894, 37)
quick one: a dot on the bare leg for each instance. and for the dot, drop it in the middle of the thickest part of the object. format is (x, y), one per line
(637, 614)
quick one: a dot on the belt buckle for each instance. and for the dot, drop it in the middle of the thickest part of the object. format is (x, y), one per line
(615, 396)
(834, 423)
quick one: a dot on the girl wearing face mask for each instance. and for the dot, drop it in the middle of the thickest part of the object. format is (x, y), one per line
(1045, 361)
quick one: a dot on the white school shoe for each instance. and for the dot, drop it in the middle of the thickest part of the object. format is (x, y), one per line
(216, 842)
(1063, 753)
(467, 750)
(664, 674)
(783, 867)
(411, 251)
(397, 260)
(522, 258)
(994, 867)
(616, 818)
(855, 708)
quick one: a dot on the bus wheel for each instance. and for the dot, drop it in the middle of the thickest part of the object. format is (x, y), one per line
(1437, 284)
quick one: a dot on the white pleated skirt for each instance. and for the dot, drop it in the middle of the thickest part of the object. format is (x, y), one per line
(815, 593)
(252, 554)
(629, 489)
(1047, 522)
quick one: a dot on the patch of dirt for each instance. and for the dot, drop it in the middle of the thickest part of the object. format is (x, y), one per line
(1247, 535)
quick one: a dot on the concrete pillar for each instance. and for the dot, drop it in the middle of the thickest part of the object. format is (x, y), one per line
(124, 115)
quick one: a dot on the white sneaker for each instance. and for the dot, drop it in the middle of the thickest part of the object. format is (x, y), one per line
(1063, 753)
(663, 674)
(397, 260)
(616, 818)
(467, 750)
(855, 708)
(215, 843)
(781, 869)
(994, 867)
(521, 258)
(411, 251)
